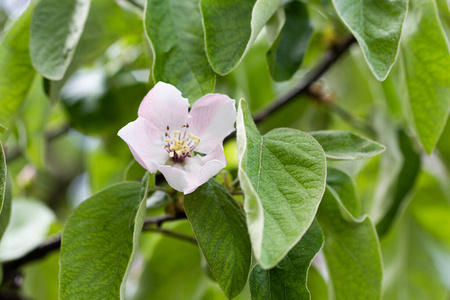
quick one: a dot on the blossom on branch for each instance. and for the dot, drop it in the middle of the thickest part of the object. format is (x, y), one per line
(185, 146)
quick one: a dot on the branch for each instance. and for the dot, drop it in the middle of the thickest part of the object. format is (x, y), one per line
(10, 268)
(328, 60)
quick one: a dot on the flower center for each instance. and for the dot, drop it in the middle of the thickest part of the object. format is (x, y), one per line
(180, 143)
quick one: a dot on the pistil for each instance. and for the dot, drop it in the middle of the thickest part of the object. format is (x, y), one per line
(180, 143)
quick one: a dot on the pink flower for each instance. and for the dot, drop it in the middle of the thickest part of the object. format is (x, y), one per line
(186, 147)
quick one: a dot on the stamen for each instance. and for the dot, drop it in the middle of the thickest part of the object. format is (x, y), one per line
(167, 140)
(175, 132)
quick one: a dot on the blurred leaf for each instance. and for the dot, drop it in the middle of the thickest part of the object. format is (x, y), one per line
(231, 27)
(16, 71)
(99, 242)
(286, 53)
(29, 225)
(404, 183)
(219, 225)
(342, 145)
(106, 23)
(174, 270)
(3, 174)
(41, 278)
(377, 25)
(317, 285)
(5, 194)
(427, 61)
(178, 43)
(351, 248)
(288, 279)
(56, 27)
(282, 175)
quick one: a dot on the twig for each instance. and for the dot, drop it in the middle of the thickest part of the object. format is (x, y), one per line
(159, 220)
(328, 60)
(173, 234)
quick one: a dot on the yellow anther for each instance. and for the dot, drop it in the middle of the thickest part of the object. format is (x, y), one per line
(176, 132)
(193, 136)
(182, 141)
(167, 140)
(197, 142)
(171, 154)
(172, 147)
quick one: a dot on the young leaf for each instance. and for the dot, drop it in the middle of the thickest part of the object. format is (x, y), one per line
(288, 279)
(351, 247)
(283, 177)
(16, 71)
(286, 54)
(377, 25)
(427, 61)
(231, 27)
(175, 30)
(342, 145)
(56, 27)
(221, 231)
(99, 241)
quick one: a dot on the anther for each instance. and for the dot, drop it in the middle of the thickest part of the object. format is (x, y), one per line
(167, 127)
(167, 140)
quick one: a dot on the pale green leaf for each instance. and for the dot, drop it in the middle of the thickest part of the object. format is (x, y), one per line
(351, 247)
(316, 285)
(56, 27)
(175, 30)
(231, 27)
(219, 225)
(99, 241)
(377, 25)
(286, 54)
(16, 71)
(282, 175)
(343, 145)
(288, 279)
(427, 61)
(28, 227)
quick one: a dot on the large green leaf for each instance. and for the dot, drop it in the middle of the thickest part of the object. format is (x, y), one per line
(55, 29)
(351, 247)
(176, 34)
(286, 54)
(219, 225)
(288, 279)
(231, 26)
(377, 25)
(99, 241)
(283, 177)
(16, 71)
(427, 61)
(343, 145)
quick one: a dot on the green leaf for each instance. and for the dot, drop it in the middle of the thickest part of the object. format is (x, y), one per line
(41, 278)
(175, 30)
(28, 227)
(220, 228)
(3, 173)
(351, 248)
(288, 279)
(16, 71)
(56, 27)
(286, 54)
(282, 175)
(377, 25)
(173, 270)
(99, 242)
(5, 194)
(427, 61)
(316, 285)
(343, 145)
(231, 27)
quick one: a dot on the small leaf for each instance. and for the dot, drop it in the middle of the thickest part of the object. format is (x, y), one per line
(99, 242)
(55, 29)
(221, 231)
(16, 71)
(282, 175)
(176, 34)
(231, 27)
(377, 25)
(427, 61)
(288, 279)
(351, 247)
(286, 54)
(343, 145)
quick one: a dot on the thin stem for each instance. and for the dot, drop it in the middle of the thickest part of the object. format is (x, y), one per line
(173, 234)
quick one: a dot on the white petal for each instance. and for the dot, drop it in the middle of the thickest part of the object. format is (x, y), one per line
(213, 118)
(146, 144)
(164, 106)
(196, 171)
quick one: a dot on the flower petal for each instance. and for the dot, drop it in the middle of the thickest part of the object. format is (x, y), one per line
(213, 118)
(164, 106)
(196, 171)
(145, 143)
